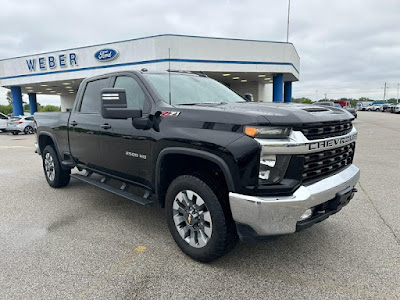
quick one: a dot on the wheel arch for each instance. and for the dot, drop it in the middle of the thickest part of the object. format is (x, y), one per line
(45, 139)
(188, 153)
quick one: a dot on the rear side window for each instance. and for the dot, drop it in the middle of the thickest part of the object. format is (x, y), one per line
(3, 116)
(91, 101)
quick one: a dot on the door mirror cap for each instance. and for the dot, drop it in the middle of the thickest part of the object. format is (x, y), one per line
(114, 105)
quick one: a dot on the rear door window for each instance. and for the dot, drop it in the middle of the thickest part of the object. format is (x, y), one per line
(91, 100)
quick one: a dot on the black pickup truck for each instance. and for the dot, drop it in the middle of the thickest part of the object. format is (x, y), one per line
(222, 167)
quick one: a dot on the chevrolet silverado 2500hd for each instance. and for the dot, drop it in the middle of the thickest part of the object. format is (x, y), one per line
(223, 168)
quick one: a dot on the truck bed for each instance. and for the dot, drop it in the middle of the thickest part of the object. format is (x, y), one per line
(55, 124)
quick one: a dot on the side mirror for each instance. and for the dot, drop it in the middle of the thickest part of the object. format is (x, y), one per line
(114, 106)
(249, 97)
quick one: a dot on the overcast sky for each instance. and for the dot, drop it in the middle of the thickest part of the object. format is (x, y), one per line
(347, 48)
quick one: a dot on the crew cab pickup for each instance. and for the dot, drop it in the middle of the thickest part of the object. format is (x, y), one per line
(222, 167)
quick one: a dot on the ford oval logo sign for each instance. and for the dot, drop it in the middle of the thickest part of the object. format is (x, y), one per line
(106, 54)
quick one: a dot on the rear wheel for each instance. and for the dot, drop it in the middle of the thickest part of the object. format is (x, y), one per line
(55, 175)
(28, 130)
(198, 220)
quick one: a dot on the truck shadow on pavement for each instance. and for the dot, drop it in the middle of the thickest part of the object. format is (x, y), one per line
(150, 223)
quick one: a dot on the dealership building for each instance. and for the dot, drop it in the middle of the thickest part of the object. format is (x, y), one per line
(263, 68)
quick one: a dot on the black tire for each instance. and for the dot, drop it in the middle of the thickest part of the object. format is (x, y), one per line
(223, 236)
(28, 130)
(60, 177)
(15, 132)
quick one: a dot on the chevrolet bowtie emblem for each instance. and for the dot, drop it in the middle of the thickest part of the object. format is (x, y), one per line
(189, 218)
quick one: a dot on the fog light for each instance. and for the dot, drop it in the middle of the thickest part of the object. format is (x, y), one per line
(307, 214)
(264, 175)
(268, 160)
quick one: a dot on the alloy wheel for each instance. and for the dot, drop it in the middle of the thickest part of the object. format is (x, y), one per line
(28, 130)
(49, 167)
(192, 218)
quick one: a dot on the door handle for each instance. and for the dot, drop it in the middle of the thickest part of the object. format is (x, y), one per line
(105, 126)
(73, 123)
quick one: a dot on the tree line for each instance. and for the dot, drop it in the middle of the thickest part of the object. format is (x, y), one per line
(8, 109)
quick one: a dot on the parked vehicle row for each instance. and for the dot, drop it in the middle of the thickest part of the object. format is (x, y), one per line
(16, 125)
(3, 122)
(393, 108)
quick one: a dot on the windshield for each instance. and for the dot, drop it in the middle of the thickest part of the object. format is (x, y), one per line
(189, 89)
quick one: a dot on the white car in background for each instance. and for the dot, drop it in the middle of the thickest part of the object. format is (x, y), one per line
(375, 107)
(3, 122)
(24, 124)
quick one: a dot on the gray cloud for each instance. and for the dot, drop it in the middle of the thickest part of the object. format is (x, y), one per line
(347, 48)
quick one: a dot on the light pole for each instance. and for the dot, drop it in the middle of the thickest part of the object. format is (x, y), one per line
(288, 18)
(385, 91)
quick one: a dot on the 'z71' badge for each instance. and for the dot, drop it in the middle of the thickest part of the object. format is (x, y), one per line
(170, 113)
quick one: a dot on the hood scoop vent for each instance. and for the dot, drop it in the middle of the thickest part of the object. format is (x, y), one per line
(315, 109)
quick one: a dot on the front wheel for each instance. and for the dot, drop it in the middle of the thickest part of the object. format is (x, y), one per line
(55, 175)
(198, 220)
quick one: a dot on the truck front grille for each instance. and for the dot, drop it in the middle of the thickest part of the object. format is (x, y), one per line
(325, 130)
(321, 164)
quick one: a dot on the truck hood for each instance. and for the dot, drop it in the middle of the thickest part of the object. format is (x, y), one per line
(279, 113)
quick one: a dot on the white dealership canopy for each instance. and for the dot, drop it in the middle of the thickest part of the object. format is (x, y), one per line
(265, 69)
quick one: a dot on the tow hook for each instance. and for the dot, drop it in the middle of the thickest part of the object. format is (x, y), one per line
(353, 191)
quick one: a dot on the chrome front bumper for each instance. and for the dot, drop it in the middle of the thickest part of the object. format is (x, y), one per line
(279, 215)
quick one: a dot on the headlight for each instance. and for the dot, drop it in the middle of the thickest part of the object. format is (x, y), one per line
(267, 132)
(272, 168)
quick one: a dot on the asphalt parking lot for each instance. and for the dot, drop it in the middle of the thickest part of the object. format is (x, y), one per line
(83, 243)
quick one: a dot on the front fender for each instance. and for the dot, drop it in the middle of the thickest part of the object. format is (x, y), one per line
(196, 153)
